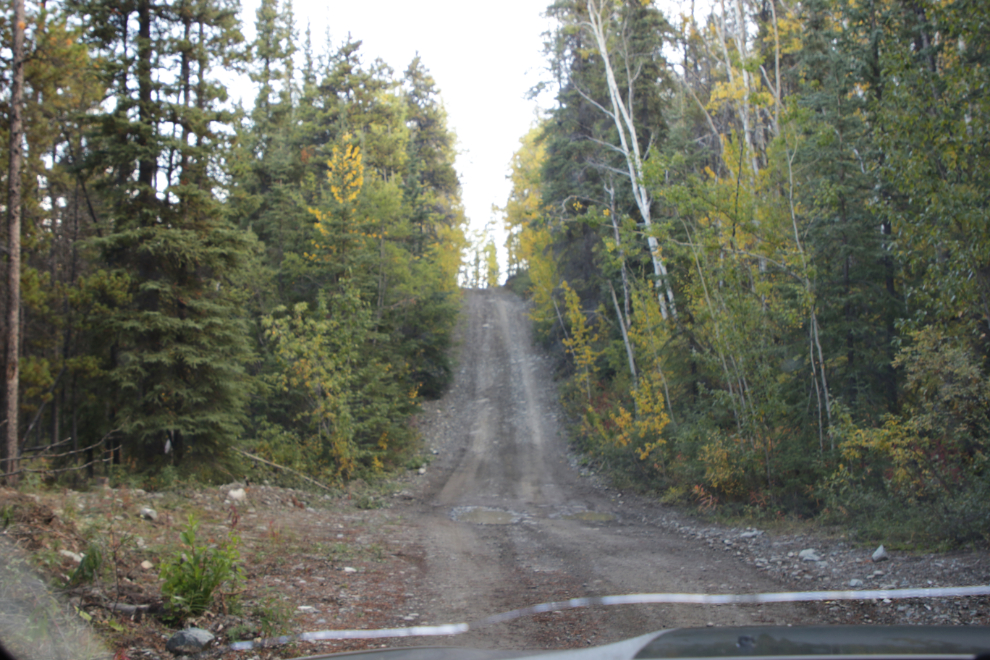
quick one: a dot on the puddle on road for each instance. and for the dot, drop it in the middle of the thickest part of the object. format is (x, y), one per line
(480, 515)
(590, 516)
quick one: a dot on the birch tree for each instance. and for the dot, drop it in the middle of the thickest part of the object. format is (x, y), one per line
(608, 29)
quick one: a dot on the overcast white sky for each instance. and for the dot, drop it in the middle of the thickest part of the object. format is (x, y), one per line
(484, 56)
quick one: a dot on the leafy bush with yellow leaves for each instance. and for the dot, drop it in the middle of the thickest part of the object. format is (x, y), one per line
(933, 456)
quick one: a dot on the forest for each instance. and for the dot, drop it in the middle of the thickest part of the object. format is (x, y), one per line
(757, 234)
(194, 284)
(754, 233)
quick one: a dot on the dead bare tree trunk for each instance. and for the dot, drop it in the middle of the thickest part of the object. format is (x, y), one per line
(14, 241)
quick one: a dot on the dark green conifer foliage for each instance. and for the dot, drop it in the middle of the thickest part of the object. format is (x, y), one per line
(269, 161)
(583, 166)
(60, 87)
(932, 128)
(364, 258)
(176, 332)
(144, 285)
(855, 270)
(432, 196)
(430, 185)
(575, 172)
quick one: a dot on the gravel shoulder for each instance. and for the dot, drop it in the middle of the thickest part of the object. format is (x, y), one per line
(501, 519)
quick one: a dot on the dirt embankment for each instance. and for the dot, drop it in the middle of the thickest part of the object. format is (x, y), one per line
(501, 519)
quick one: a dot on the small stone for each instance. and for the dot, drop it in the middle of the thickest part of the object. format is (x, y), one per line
(809, 555)
(880, 554)
(148, 514)
(147, 565)
(306, 609)
(190, 640)
(74, 556)
(855, 583)
(422, 469)
(350, 569)
(751, 534)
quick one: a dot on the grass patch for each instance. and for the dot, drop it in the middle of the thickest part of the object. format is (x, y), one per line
(273, 614)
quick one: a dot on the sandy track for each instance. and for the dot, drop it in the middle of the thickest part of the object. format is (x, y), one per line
(506, 521)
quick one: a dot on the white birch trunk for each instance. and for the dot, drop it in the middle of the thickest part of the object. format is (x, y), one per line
(629, 145)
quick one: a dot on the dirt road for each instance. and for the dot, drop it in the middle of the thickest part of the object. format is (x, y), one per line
(505, 520)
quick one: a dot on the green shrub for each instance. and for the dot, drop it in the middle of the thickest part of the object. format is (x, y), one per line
(193, 576)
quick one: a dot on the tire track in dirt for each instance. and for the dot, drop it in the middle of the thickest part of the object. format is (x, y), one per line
(505, 521)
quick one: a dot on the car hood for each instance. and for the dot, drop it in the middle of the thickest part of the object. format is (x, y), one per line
(778, 642)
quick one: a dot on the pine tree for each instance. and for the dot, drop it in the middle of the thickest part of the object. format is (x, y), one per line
(270, 159)
(16, 152)
(59, 88)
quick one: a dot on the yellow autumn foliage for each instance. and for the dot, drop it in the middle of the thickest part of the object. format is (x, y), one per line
(580, 343)
(346, 172)
(534, 247)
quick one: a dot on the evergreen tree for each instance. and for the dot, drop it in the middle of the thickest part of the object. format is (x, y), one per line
(175, 329)
(16, 151)
(270, 159)
(431, 187)
(850, 242)
(60, 87)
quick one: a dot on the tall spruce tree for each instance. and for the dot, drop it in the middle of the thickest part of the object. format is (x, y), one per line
(855, 269)
(430, 185)
(269, 161)
(175, 332)
(431, 191)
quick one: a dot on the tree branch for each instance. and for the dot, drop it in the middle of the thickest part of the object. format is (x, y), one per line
(282, 467)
